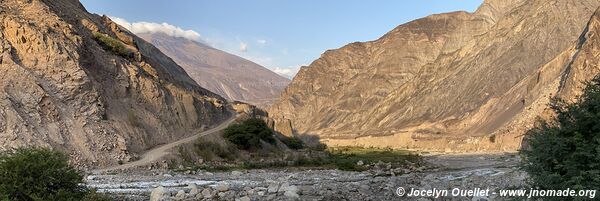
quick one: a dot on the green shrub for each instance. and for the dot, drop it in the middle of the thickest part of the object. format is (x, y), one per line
(293, 142)
(113, 45)
(565, 152)
(39, 174)
(492, 138)
(248, 134)
(348, 165)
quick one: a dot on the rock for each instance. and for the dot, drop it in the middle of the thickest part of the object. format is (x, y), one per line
(236, 173)
(360, 163)
(364, 188)
(158, 194)
(260, 193)
(306, 189)
(167, 175)
(251, 192)
(222, 187)
(180, 195)
(206, 193)
(284, 187)
(291, 194)
(193, 189)
(273, 188)
(245, 198)
(292, 188)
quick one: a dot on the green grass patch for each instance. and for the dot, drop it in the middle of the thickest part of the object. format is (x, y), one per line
(346, 158)
(112, 44)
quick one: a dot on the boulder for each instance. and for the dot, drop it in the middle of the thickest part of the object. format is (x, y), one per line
(206, 193)
(222, 187)
(180, 195)
(158, 194)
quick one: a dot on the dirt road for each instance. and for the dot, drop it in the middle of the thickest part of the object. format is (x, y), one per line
(162, 150)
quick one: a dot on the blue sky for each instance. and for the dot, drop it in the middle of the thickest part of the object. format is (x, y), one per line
(279, 34)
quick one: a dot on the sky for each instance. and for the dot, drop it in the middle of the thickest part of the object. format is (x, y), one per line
(281, 35)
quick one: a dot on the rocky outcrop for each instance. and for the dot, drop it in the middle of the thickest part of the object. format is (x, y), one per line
(228, 75)
(77, 82)
(449, 82)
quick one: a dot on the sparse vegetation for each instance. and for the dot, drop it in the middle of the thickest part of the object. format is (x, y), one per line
(564, 152)
(293, 142)
(346, 158)
(492, 138)
(112, 44)
(249, 134)
(41, 174)
(209, 151)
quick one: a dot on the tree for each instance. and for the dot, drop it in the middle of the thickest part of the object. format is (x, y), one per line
(249, 134)
(565, 151)
(32, 174)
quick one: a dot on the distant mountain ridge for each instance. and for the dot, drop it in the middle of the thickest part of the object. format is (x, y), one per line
(228, 75)
(448, 82)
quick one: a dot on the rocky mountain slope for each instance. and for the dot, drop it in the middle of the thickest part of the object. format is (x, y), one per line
(228, 75)
(448, 82)
(77, 82)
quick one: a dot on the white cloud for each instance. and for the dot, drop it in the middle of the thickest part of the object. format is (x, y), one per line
(289, 72)
(261, 42)
(243, 47)
(151, 27)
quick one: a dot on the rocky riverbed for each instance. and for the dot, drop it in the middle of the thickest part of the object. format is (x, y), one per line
(445, 172)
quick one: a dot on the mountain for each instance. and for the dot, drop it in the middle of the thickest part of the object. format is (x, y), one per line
(77, 82)
(228, 75)
(448, 82)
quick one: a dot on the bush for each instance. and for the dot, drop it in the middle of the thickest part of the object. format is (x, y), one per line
(293, 142)
(39, 174)
(248, 134)
(564, 152)
(113, 45)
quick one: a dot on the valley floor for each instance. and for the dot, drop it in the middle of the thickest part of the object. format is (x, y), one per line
(446, 172)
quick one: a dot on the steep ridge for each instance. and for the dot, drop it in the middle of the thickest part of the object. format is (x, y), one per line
(585, 63)
(62, 86)
(449, 82)
(228, 75)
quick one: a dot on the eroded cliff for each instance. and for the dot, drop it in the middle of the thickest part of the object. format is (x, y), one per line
(77, 82)
(449, 82)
